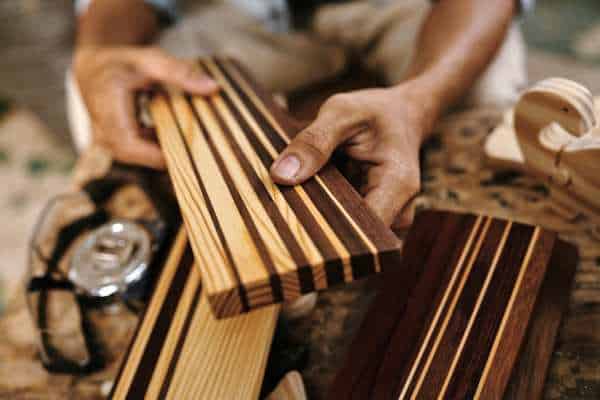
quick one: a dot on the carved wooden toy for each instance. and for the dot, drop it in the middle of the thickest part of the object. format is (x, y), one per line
(556, 137)
(472, 312)
(257, 243)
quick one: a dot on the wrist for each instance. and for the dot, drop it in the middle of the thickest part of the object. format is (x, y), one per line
(425, 102)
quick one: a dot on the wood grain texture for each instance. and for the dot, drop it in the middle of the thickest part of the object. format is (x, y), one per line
(450, 320)
(258, 243)
(181, 351)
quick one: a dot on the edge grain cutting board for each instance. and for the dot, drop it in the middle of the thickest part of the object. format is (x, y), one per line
(257, 243)
(472, 312)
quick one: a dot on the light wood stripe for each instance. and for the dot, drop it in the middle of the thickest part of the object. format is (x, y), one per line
(456, 272)
(150, 317)
(500, 333)
(480, 296)
(186, 188)
(210, 362)
(450, 312)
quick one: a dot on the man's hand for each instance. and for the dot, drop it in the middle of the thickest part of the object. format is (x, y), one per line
(108, 79)
(380, 128)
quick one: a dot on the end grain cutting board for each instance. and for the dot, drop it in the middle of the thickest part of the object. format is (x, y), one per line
(257, 243)
(471, 313)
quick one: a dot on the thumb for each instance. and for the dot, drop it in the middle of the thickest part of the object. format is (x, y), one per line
(185, 74)
(308, 152)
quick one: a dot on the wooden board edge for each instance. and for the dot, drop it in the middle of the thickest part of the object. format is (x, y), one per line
(531, 368)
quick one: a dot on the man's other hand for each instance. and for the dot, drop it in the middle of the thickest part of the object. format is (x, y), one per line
(380, 128)
(108, 79)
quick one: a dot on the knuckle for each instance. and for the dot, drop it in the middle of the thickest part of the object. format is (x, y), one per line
(337, 101)
(407, 178)
(316, 139)
(187, 69)
(154, 52)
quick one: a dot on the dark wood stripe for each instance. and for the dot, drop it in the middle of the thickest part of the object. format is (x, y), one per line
(363, 261)
(400, 355)
(471, 363)
(145, 368)
(333, 266)
(241, 289)
(455, 330)
(305, 276)
(180, 341)
(263, 251)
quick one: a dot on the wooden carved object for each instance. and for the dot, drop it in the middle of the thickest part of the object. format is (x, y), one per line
(181, 351)
(472, 312)
(558, 132)
(257, 243)
(558, 137)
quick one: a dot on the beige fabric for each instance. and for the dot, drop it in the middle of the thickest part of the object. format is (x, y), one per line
(382, 36)
(280, 61)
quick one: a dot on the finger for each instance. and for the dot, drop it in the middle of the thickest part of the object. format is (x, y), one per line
(120, 131)
(390, 192)
(406, 215)
(185, 74)
(141, 152)
(310, 150)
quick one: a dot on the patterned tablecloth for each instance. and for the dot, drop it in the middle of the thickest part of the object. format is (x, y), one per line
(455, 176)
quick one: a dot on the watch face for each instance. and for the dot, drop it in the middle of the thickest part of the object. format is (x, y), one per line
(111, 258)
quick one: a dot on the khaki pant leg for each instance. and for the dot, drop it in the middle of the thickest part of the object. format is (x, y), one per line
(281, 62)
(385, 35)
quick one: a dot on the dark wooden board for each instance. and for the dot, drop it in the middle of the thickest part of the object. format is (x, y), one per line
(451, 319)
(257, 243)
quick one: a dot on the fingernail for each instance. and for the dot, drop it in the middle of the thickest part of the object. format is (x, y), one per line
(287, 167)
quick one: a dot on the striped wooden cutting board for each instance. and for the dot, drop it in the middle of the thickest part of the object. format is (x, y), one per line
(471, 313)
(257, 243)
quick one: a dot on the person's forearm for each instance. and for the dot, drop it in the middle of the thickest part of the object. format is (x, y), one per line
(116, 22)
(457, 41)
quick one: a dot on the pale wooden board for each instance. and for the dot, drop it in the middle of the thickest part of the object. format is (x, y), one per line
(259, 243)
(181, 351)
